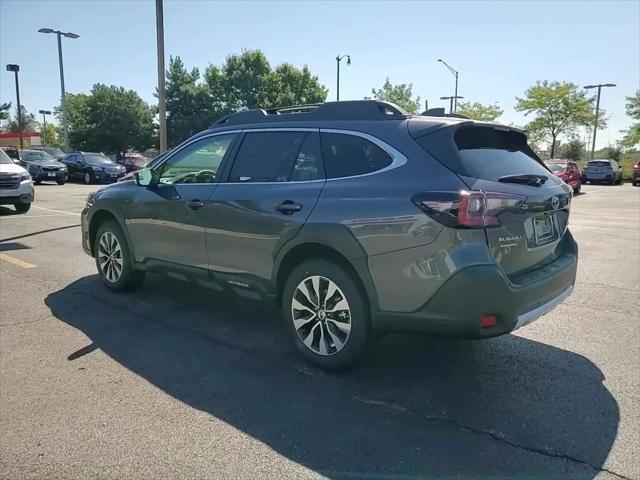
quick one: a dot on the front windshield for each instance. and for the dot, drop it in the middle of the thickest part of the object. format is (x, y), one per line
(37, 156)
(4, 158)
(96, 158)
(52, 151)
(557, 167)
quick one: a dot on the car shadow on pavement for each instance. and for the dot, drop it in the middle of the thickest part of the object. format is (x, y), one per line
(421, 407)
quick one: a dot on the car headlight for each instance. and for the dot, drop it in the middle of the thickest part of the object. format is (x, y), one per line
(90, 199)
(97, 169)
(63, 168)
(24, 177)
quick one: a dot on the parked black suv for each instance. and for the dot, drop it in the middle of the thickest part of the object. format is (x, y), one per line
(355, 217)
(93, 167)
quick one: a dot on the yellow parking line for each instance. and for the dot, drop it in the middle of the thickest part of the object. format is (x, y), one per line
(16, 261)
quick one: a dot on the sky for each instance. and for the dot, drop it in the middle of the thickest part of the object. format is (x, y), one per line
(500, 48)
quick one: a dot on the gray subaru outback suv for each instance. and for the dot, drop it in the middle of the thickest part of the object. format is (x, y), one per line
(355, 217)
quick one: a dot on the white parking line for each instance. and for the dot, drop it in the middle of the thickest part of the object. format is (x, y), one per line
(27, 217)
(57, 211)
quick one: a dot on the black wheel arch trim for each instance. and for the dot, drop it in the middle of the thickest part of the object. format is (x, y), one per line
(337, 238)
(118, 216)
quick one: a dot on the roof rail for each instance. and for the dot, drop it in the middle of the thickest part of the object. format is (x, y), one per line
(439, 112)
(346, 110)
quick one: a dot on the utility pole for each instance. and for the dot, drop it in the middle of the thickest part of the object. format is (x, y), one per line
(44, 123)
(595, 125)
(454, 72)
(15, 69)
(63, 93)
(338, 60)
(162, 108)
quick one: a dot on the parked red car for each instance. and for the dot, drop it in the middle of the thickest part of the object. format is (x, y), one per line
(133, 162)
(568, 171)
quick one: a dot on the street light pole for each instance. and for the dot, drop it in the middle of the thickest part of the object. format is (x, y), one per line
(15, 69)
(63, 94)
(162, 112)
(454, 72)
(338, 60)
(44, 123)
(595, 125)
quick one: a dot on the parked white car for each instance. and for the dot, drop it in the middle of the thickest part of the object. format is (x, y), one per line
(16, 187)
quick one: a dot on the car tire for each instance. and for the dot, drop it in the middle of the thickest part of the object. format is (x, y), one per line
(88, 178)
(576, 190)
(22, 207)
(116, 271)
(61, 182)
(37, 182)
(336, 339)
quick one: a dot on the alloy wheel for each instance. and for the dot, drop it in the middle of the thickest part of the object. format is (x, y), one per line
(87, 178)
(110, 257)
(321, 315)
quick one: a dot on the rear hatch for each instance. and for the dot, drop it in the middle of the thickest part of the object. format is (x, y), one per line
(598, 167)
(522, 206)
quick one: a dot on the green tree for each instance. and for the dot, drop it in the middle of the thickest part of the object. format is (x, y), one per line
(401, 95)
(189, 104)
(28, 124)
(478, 111)
(632, 134)
(5, 110)
(558, 109)
(109, 118)
(574, 150)
(53, 136)
(288, 85)
(244, 81)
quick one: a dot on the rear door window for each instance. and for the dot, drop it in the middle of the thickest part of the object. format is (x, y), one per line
(348, 155)
(267, 156)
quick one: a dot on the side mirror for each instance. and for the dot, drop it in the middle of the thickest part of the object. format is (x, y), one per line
(144, 177)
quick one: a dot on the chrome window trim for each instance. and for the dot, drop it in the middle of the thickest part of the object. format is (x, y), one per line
(398, 159)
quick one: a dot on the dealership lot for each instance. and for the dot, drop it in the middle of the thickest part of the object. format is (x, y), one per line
(175, 381)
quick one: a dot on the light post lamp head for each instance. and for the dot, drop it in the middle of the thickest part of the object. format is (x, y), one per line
(348, 59)
(45, 112)
(12, 67)
(46, 30)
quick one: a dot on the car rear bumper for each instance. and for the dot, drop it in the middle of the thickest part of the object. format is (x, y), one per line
(598, 176)
(484, 290)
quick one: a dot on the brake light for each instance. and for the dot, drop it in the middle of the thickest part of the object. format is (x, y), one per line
(467, 209)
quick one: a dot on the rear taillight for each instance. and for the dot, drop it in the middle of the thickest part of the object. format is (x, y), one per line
(465, 209)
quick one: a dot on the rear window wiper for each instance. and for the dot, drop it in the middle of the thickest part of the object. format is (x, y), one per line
(525, 179)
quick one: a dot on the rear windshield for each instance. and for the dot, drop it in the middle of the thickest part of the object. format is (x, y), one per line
(557, 167)
(485, 153)
(598, 164)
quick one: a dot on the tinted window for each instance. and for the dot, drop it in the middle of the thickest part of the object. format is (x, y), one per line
(197, 163)
(348, 155)
(308, 163)
(37, 156)
(4, 159)
(486, 153)
(556, 167)
(599, 164)
(267, 156)
(94, 158)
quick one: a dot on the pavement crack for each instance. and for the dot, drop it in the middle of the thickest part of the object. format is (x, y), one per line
(26, 321)
(500, 437)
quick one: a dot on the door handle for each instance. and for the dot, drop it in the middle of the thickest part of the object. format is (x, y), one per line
(288, 207)
(195, 204)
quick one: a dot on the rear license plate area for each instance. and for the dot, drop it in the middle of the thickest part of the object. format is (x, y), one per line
(51, 174)
(544, 229)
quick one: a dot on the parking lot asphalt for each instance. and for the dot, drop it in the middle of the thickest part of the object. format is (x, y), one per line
(174, 381)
